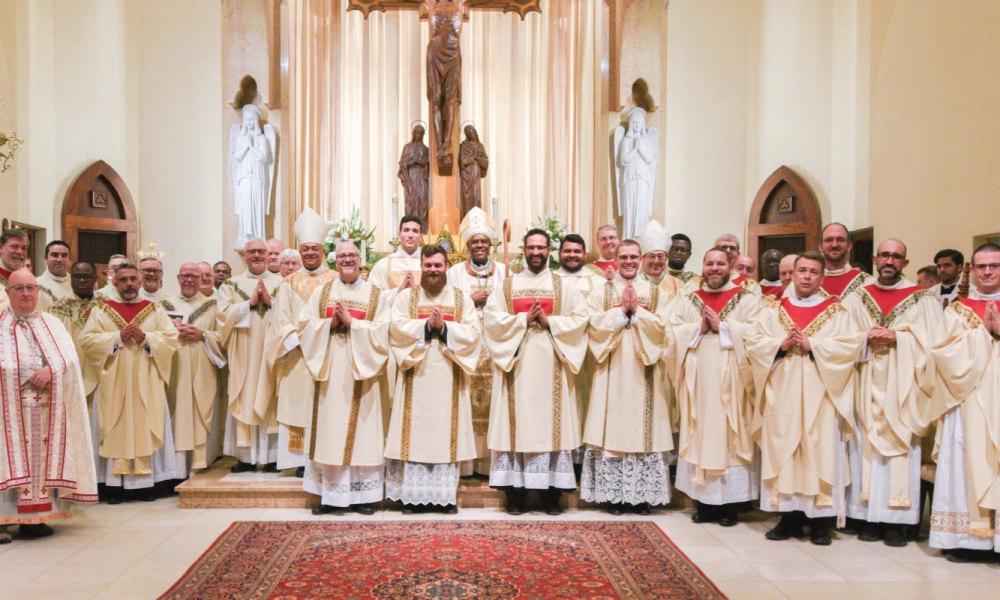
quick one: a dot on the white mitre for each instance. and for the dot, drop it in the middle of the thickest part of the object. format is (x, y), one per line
(477, 221)
(310, 228)
(654, 238)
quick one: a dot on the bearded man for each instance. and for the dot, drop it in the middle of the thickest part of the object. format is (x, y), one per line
(48, 463)
(109, 291)
(628, 429)
(131, 343)
(707, 362)
(479, 277)
(285, 364)
(344, 340)
(536, 332)
(151, 272)
(435, 340)
(244, 312)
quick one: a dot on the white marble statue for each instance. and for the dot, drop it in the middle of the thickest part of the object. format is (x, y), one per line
(251, 157)
(635, 172)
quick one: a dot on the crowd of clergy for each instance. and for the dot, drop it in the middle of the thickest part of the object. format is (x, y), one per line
(834, 397)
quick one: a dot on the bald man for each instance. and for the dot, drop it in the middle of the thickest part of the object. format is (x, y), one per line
(207, 285)
(274, 249)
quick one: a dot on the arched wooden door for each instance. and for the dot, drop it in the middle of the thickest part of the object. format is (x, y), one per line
(784, 216)
(98, 217)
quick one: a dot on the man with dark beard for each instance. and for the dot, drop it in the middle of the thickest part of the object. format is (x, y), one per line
(894, 397)
(536, 332)
(434, 338)
(572, 258)
(707, 363)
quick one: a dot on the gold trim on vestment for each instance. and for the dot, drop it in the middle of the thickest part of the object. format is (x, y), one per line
(857, 282)
(787, 323)
(167, 305)
(730, 306)
(198, 312)
(557, 394)
(352, 422)
(511, 407)
(966, 313)
(262, 307)
(404, 453)
(647, 412)
(456, 380)
(117, 318)
(887, 320)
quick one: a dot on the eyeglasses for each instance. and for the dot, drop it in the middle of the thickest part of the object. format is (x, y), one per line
(20, 289)
(982, 268)
(189, 277)
(348, 257)
(891, 256)
(729, 247)
(152, 271)
(255, 252)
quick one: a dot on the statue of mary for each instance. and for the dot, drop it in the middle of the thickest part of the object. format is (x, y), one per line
(251, 156)
(635, 171)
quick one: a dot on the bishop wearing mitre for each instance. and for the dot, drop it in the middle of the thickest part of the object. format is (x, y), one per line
(344, 337)
(435, 340)
(479, 277)
(244, 314)
(895, 402)
(967, 357)
(803, 349)
(194, 377)
(131, 343)
(536, 332)
(707, 363)
(47, 462)
(627, 434)
(285, 363)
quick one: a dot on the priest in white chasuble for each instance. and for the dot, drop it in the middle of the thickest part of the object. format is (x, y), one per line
(435, 338)
(479, 277)
(285, 363)
(344, 337)
(13, 254)
(46, 461)
(655, 243)
(707, 363)
(244, 314)
(536, 332)
(803, 349)
(841, 279)
(967, 357)
(207, 283)
(894, 403)
(54, 283)
(73, 311)
(628, 432)
(131, 342)
(193, 388)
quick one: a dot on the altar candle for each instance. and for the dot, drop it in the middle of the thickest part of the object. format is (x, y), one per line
(364, 254)
(496, 212)
(395, 213)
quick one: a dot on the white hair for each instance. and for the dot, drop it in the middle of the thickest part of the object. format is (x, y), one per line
(728, 237)
(289, 253)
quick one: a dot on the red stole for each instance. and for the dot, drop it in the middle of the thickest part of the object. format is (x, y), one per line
(5, 274)
(127, 311)
(523, 305)
(738, 281)
(888, 300)
(803, 316)
(444, 316)
(977, 306)
(774, 291)
(354, 312)
(603, 265)
(836, 284)
(717, 300)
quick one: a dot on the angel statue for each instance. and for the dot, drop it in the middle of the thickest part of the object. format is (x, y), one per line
(635, 172)
(251, 156)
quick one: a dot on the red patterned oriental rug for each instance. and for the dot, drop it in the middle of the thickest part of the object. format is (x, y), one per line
(444, 559)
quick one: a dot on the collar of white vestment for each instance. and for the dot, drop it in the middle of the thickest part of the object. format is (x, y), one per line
(562, 272)
(356, 283)
(138, 298)
(995, 297)
(54, 277)
(618, 277)
(322, 268)
(252, 276)
(839, 271)
(729, 285)
(152, 297)
(23, 318)
(902, 283)
(765, 282)
(197, 296)
(814, 300)
(528, 273)
(400, 252)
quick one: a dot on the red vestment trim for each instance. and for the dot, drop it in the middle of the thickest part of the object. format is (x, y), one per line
(887, 300)
(803, 316)
(603, 265)
(717, 300)
(443, 316)
(978, 306)
(523, 305)
(355, 313)
(836, 284)
(774, 291)
(5, 273)
(127, 311)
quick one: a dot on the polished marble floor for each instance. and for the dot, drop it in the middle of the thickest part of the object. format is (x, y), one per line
(137, 550)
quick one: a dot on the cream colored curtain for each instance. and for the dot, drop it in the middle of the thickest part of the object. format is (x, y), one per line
(531, 87)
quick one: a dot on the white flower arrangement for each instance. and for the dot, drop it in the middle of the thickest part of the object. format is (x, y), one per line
(350, 230)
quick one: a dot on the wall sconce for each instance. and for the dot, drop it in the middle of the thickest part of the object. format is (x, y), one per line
(11, 142)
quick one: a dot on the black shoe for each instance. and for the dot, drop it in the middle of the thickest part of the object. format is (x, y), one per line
(850, 527)
(515, 503)
(705, 513)
(820, 535)
(409, 509)
(242, 467)
(964, 555)
(616, 508)
(325, 509)
(116, 495)
(642, 509)
(790, 526)
(145, 495)
(868, 532)
(450, 509)
(730, 517)
(894, 536)
(550, 502)
(36, 531)
(300, 472)
(271, 467)
(367, 509)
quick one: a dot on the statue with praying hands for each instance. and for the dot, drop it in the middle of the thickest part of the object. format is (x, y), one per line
(473, 163)
(444, 72)
(413, 174)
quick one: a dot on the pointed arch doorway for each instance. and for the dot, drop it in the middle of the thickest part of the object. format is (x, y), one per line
(784, 216)
(98, 217)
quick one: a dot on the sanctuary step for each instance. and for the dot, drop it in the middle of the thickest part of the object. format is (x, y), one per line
(216, 487)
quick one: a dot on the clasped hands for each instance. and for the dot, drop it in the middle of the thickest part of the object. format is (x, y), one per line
(796, 337)
(408, 281)
(132, 333)
(341, 316)
(630, 300)
(187, 331)
(881, 336)
(260, 294)
(536, 314)
(991, 320)
(710, 321)
(42, 378)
